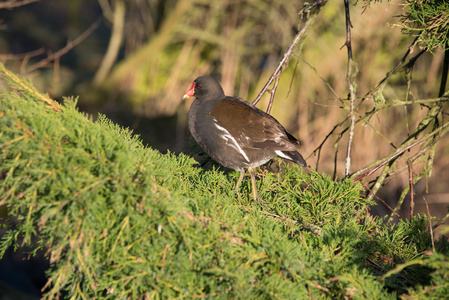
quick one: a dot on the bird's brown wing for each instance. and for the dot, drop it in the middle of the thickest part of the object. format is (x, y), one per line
(251, 127)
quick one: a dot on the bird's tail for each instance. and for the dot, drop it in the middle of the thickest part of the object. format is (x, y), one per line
(294, 156)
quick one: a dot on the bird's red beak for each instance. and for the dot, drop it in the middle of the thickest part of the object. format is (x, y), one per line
(189, 93)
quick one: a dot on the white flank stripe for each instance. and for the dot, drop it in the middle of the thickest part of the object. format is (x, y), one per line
(283, 155)
(227, 136)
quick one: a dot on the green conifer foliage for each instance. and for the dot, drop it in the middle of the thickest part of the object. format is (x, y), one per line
(427, 20)
(119, 220)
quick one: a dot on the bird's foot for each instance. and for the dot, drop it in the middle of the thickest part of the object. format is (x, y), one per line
(259, 201)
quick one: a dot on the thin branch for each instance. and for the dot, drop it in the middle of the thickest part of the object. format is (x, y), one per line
(392, 71)
(418, 157)
(373, 167)
(15, 3)
(381, 178)
(70, 45)
(293, 76)
(406, 143)
(445, 71)
(320, 146)
(289, 51)
(107, 10)
(348, 30)
(272, 92)
(411, 62)
(375, 109)
(441, 221)
(396, 102)
(412, 189)
(430, 223)
(114, 43)
(350, 76)
(381, 200)
(322, 79)
(20, 56)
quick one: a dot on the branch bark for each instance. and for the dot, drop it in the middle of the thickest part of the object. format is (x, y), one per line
(412, 189)
(350, 77)
(70, 45)
(445, 71)
(114, 43)
(15, 3)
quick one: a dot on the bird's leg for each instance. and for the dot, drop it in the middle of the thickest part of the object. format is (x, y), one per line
(239, 182)
(253, 183)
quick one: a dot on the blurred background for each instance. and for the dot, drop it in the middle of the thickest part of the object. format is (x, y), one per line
(133, 60)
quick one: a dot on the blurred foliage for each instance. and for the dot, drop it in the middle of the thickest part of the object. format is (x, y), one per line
(119, 220)
(234, 39)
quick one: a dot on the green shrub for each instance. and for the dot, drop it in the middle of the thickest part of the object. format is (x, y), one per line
(121, 220)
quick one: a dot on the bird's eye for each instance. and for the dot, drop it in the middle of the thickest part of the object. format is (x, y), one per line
(200, 86)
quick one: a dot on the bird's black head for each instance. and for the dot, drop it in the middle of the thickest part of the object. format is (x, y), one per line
(205, 88)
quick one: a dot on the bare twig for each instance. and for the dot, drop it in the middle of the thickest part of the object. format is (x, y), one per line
(412, 190)
(56, 75)
(348, 30)
(114, 43)
(70, 45)
(322, 79)
(392, 71)
(318, 149)
(25, 57)
(20, 56)
(441, 221)
(407, 143)
(430, 223)
(374, 110)
(445, 71)
(293, 76)
(107, 10)
(350, 76)
(272, 92)
(411, 62)
(15, 3)
(381, 200)
(320, 146)
(285, 59)
(373, 167)
(419, 156)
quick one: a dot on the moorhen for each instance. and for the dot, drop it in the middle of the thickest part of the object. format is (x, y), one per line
(235, 133)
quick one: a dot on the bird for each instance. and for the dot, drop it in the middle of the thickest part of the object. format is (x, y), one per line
(235, 133)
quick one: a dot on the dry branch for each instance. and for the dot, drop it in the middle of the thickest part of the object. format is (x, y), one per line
(412, 189)
(15, 3)
(287, 55)
(114, 43)
(70, 45)
(350, 77)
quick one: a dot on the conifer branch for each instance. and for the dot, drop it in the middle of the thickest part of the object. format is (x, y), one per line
(28, 88)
